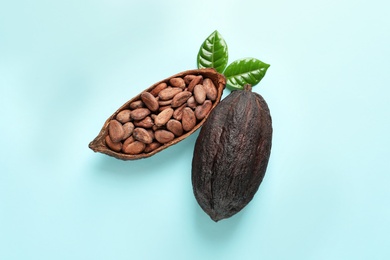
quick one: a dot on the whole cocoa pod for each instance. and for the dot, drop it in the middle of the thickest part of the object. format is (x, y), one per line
(231, 154)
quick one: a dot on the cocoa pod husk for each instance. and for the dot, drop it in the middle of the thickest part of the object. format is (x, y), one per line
(98, 144)
(231, 154)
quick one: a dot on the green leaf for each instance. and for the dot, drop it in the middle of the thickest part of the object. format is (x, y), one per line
(245, 71)
(213, 53)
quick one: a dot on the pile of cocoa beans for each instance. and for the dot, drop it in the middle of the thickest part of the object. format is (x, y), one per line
(161, 114)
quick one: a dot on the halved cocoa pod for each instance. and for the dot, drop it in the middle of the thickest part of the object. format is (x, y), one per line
(99, 143)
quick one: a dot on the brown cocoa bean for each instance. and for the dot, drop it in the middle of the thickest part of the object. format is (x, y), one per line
(139, 113)
(155, 128)
(197, 80)
(188, 78)
(147, 122)
(113, 146)
(151, 133)
(115, 130)
(158, 88)
(202, 110)
(140, 134)
(180, 98)
(177, 83)
(191, 102)
(165, 102)
(164, 136)
(124, 116)
(163, 117)
(231, 155)
(177, 114)
(135, 147)
(163, 108)
(175, 127)
(128, 140)
(199, 94)
(128, 129)
(188, 119)
(211, 90)
(136, 104)
(151, 147)
(150, 101)
(168, 93)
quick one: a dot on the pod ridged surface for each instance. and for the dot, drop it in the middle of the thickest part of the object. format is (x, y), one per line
(231, 154)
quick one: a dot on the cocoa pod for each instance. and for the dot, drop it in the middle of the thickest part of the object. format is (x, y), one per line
(231, 154)
(142, 116)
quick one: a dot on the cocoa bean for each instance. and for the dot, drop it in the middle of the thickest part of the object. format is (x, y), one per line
(150, 101)
(197, 80)
(151, 147)
(158, 88)
(140, 134)
(163, 117)
(128, 129)
(175, 127)
(139, 113)
(136, 104)
(202, 110)
(147, 122)
(123, 116)
(164, 136)
(151, 133)
(168, 93)
(129, 140)
(135, 147)
(113, 146)
(165, 102)
(163, 108)
(188, 119)
(115, 130)
(177, 83)
(191, 102)
(199, 94)
(177, 114)
(180, 98)
(211, 90)
(188, 78)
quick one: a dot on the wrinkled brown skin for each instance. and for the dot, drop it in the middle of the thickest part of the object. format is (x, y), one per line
(231, 154)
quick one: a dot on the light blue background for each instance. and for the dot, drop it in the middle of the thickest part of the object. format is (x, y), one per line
(65, 66)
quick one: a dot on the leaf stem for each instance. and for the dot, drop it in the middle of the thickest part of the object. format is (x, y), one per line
(248, 87)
